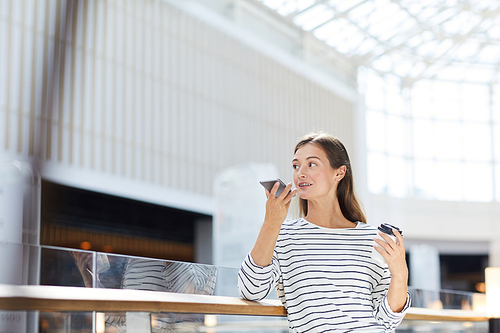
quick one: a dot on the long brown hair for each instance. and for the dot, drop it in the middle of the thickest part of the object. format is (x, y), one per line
(337, 156)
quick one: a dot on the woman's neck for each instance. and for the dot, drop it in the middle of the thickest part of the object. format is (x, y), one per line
(328, 215)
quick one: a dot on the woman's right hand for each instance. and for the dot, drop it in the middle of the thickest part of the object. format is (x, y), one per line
(83, 261)
(276, 212)
(277, 207)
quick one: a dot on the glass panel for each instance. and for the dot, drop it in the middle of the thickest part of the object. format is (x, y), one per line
(497, 178)
(424, 178)
(398, 133)
(190, 322)
(66, 322)
(377, 173)
(449, 177)
(478, 186)
(137, 273)
(445, 101)
(420, 100)
(423, 139)
(64, 267)
(446, 109)
(496, 142)
(477, 142)
(411, 326)
(376, 131)
(448, 140)
(399, 176)
(475, 110)
(375, 97)
(496, 102)
(395, 102)
(445, 299)
(117, 271)
(112, 322)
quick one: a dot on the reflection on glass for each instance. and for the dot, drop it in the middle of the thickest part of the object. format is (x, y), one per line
(65, 322)
(176, 277)
(120, 272)
(71, 267)
(60, 267)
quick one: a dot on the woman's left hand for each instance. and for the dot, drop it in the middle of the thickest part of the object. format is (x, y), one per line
(394, 254)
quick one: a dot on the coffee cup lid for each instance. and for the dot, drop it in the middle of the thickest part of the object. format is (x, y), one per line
(387, 228)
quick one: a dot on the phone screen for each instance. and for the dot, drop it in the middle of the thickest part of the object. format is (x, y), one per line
(270, 183)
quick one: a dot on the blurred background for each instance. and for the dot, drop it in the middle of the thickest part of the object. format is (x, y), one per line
(148, 124)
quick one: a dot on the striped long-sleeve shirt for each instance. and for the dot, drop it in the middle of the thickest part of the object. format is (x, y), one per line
(326, 279)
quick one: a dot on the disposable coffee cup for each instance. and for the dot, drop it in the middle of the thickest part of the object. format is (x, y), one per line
(386, 228)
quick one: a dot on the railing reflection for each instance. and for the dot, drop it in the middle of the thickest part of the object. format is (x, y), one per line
(68, 267)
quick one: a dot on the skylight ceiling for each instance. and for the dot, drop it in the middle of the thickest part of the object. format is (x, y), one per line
(413, 39)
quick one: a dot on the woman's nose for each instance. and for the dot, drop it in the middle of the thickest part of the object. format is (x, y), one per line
(301, 173)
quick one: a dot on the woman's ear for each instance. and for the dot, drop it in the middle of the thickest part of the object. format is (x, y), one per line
(340, 173)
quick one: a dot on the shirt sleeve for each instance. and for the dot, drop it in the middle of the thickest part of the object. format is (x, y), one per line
(256, 282)
(381, 309)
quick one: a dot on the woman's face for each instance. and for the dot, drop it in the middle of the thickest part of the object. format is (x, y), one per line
(312, 174)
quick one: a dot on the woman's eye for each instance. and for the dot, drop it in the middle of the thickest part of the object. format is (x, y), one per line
(295, 166)
(312, 164)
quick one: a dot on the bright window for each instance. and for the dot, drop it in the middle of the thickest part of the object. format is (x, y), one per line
(436, 139)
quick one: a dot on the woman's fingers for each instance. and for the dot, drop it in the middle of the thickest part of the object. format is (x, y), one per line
(285, 191)
(399, 238)
(285, 194)
(382, 247)
(389, 245)
(275, 188)
(393, 253)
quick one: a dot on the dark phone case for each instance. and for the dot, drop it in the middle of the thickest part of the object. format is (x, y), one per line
(270, 183)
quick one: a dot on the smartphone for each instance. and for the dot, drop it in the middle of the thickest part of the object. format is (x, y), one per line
(270, 183)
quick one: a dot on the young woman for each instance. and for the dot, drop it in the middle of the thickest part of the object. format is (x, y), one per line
(321, 263)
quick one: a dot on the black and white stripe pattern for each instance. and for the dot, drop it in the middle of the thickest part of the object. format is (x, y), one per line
(326, 279)
(161, 275)
(174, 277)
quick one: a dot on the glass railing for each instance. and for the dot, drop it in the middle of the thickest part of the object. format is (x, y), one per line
(447, 299)
(76, 268)
(68, 267)
(51, 266)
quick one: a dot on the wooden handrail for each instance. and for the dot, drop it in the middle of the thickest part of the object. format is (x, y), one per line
(52, 298)
(444, 315)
